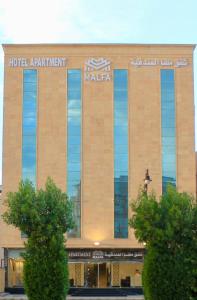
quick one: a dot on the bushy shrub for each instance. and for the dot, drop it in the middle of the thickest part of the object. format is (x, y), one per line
(44, 216)
(169, 229)
(166, 276)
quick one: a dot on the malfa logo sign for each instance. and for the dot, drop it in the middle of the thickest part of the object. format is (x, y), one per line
(93, 64)
(97, 69)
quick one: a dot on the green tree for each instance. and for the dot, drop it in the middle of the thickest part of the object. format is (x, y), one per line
(169, 229)
(44, 216)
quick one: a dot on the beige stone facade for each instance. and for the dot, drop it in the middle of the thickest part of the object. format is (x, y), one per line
(143, 63)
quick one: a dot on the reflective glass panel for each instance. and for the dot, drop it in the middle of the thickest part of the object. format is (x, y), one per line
(29, 109)
(74, 139)
(73, 166)
(30, 76)
(74, 95)
(29, 175)
(29, 125)
(74, 130)
(29, 97)
(30, 87)
(120, 153)
(168, 122)
(119, 119)
(74, 147)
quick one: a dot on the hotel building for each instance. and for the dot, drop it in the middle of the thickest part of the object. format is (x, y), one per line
(94, 117)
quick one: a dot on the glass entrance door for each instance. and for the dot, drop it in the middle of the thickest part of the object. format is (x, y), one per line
(102, 275)
(96, 275)
(91, 275)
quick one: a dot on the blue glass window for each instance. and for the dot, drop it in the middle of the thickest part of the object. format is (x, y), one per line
(74, 147)
(120, 153)
(29, 126)
(168, 122)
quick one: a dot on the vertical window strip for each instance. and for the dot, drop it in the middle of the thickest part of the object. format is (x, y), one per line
(74, 147)
(29, 125)
(168, 121)
(120, 153)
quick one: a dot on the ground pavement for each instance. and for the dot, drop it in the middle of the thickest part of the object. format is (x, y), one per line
(6, 296)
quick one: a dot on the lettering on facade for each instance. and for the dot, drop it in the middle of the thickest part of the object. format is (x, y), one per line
(138, 62)
(97, 69)
(97, 255)
(106, 254)
(73, 254)
(37, 62)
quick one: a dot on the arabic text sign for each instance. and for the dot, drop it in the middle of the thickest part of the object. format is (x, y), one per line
(138, 62)
(106, 254)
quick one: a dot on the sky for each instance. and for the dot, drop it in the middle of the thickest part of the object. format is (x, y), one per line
(97, 21)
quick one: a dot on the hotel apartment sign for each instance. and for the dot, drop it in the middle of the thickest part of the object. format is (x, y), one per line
(139, 62)
(117, 254)
(97, 69)
(37, 62)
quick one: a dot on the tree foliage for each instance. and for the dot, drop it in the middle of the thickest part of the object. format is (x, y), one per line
(44, 216)
(169, 229)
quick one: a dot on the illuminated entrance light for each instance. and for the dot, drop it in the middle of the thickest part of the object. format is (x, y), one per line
(96, 243)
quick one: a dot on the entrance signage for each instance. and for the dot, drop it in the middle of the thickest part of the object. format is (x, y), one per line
(97, 69)
(79, 254)
(37, 62)
(139, 62)
(122, 254)
(97, 254)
